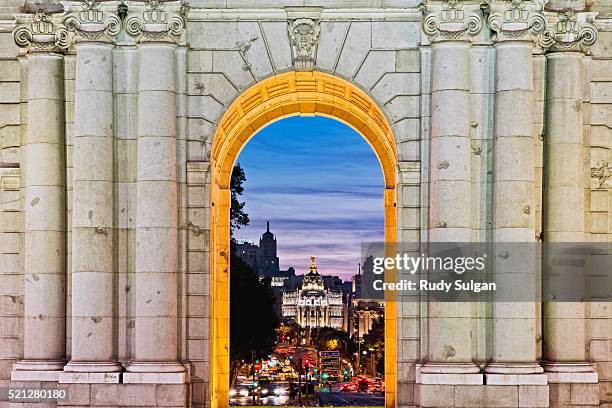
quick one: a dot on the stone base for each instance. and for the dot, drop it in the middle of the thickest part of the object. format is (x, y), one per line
(565, 395)
(483, 396)
(27, 375)
(449, 374)
(154, 378)
(450, 379)
(89, 378)
(516, 379)
(122, 395)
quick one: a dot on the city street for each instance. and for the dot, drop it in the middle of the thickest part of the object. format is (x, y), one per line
(350, 399)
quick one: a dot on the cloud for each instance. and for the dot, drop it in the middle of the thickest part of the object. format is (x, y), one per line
(320, 185)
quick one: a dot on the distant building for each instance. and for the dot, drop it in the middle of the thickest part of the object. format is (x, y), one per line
(368, 277)
(267, 261)
(262, 258)
(356, 283)
(364, 312)
(313, 304)
(249, 253)
(366, 304)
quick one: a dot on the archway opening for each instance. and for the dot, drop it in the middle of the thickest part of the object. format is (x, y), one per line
(278, 97)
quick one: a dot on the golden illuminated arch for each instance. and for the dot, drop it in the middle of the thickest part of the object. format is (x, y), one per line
(280, 96)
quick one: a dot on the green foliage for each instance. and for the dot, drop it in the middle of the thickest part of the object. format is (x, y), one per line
(327, 338)
(238, 216)
(253, 322)
(375, 339)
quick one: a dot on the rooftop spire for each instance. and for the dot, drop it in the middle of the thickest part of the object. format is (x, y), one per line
(267, 226)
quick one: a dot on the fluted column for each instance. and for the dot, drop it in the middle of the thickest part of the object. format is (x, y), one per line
(93, 357)
(450, 28)
(44, 206)
(157, 258)
(565, 337)
(515, 321)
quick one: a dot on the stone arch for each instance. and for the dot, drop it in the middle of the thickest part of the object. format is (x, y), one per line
(275, 98)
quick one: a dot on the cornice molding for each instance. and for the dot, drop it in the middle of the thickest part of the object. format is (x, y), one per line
(452, 20)
(42, 34)
(519, 20)
(157, 22)
(92, 23)
(571, 31)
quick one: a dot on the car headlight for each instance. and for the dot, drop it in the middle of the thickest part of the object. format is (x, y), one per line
(279, 391)
(264, 391)
(244, 393)
(232, 392)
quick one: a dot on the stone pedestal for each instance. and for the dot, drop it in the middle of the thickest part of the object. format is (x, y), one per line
(565, 335)
(45, 224)
(451, 325)
(93, 351)
(156, 343)
(515, 349)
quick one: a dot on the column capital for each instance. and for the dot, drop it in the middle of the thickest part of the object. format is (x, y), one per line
(42, 34)
(519, 20)
(93, 24)
(452, 20)
(157, 22)
(572, 31)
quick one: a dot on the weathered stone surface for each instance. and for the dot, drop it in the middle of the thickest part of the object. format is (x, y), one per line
(455, 185)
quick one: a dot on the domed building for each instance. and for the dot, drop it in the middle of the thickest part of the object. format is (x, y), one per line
(312, 304)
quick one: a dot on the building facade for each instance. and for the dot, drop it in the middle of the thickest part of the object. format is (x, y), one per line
(313, 305)
(120, 123)
(262, 258)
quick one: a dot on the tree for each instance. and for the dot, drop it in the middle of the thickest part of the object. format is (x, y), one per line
(375, 339)
(289, 330)
(328, 338)
(238, 216)
(253, 320)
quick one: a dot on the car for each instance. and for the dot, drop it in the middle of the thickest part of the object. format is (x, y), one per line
(239, 391)
(349, 387)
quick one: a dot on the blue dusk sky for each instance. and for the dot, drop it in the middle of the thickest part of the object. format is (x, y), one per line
(320, 185)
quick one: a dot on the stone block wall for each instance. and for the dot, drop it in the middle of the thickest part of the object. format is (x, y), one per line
(198, 280)
(378, 45)
(600, 211)
(11, 219)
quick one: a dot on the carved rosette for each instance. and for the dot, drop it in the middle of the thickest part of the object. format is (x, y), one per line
(451, 22)
(520, 20)
(304, 38)
(42, 35)
(573, 31)
(156, 23)
(93, 24)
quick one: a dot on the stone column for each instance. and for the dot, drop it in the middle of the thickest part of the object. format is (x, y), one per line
(565, 337)
(450, 28)
(157, 258)
(93, 357)
(515, 320)
(44, 205)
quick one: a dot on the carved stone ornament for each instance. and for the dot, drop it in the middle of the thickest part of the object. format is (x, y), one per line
(451, 22)
(93, 24)
(304, 37)
(155, 23)
(601, 173)
(573, 31)
(42, 35)
(520, 20)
